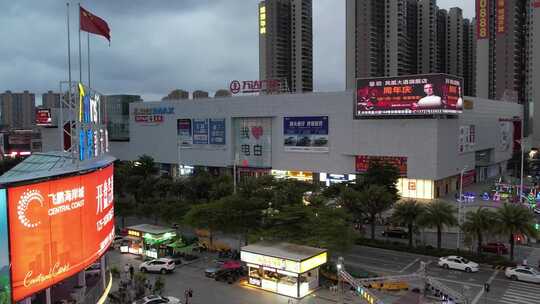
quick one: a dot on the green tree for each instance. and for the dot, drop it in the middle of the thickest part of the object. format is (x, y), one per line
(374, 200)
(207, 216)
(409, 213)
(513, 220)
(124, 207)
(477, 223)
(438, 215)
(382, 174)
(329, 228)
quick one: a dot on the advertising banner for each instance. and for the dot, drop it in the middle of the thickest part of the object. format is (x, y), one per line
(505, 135)
(482, 19)
(200, 131)
(5, 281)
(151, 116)
(58, 228)
(253, 142)
(409, 95)
(501, 16)
(185, 136)
(536, 4)
(43, 117)
(217, 131)
(306, 134)
(467, 138)
(364, 161)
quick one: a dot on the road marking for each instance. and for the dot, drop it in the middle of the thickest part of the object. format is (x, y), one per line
(481, 292)
(410, 264)
(458, 282)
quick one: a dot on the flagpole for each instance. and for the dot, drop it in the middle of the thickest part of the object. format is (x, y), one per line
(80, 59)
(88, 44)
(69, 80)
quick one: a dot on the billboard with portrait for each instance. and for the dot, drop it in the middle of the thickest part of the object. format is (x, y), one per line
(5, 281)
(409, 95)
(306, 134)
(58, 228)
(253, 141)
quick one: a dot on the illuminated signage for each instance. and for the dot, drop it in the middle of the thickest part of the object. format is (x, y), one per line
(152, 116)
(482, 19)
(262, 20)
(134, 233)
(501, 16)
(272, 262)
(43, 117)
(254, 281)
(408, 95)
(306, 134)
(363, 163)
(255, 86)
(5, 281)
(58, 228)
(313, 262)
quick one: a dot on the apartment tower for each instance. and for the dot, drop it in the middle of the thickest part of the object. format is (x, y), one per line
(286, 43)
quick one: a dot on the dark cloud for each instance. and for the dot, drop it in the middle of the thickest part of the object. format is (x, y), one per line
(156, 46)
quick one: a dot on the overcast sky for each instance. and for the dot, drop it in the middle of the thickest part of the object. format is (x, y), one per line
(157, 46)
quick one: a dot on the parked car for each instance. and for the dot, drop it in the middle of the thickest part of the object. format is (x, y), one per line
(395, 233)
(162, 265)
(211, 271)
(153, 299)
(228, 275)
(496, 247)
(459, 263)
(523, 273)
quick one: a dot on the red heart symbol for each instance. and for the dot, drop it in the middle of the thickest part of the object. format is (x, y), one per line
(257, 131)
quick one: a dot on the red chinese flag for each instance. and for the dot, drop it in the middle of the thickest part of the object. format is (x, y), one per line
(93, 24)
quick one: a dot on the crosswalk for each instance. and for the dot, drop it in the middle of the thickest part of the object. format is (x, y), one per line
(521, 293)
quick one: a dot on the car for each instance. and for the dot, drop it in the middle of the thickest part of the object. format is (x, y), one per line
(228, 275)
(290, 141)
(459, 263)
(321, 141)
(153, 299)
(496, 247)
(211, 271)
(162, 265)
(523, 273)
(304, 142)
(395, 233)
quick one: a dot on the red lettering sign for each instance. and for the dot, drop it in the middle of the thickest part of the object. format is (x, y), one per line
(482, 19)
(501, 16)
(254, 86)
(364, 161)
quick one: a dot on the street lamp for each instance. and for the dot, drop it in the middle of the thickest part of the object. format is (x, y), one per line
(339, 267)
(460, 201)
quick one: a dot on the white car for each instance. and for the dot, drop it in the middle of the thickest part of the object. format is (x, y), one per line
(523, 273)
(157, 300)
(459, 263)
(158, 265)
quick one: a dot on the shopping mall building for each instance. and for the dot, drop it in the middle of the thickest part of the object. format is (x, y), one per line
(316, 137)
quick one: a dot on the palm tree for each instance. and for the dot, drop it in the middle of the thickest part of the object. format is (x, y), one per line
(374, 200)
(408, 212)
(477, 222)
(438, 214)
(514, 219)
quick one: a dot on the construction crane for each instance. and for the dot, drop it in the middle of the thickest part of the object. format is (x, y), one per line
(371, 298)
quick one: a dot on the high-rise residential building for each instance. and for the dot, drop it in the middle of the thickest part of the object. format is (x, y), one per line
(177, 94)
(403, 37)
(469, 57)
(454, 42)
(286, 43)
(50, 100)
(532, 70)
(117, 111)
(428, 50)
(18, 110)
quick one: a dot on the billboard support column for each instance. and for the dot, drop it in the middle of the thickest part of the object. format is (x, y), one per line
(104, 279)
(48, 299)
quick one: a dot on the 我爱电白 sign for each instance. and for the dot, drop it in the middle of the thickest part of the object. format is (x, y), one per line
(408, 95)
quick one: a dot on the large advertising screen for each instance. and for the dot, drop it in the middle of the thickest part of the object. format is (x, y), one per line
(58, 228)
(363, 162)
(409, 95)
(43, 117)
(306, 134)
(5, 283)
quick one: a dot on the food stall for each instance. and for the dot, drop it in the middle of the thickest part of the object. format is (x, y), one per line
(284, 268)
(149, 241)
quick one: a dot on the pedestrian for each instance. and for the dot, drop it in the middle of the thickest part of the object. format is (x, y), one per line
(131, 271)
(126, 270)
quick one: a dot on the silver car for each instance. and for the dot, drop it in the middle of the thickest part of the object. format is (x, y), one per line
(523, 273)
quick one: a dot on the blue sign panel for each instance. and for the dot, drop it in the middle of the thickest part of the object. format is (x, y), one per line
(306, 134)
(5, 282)
(200, 131)
(217, 131)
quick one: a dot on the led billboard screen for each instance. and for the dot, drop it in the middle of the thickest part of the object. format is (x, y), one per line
(409, 95)
(58, 228)
(5, 284)
(43, 117)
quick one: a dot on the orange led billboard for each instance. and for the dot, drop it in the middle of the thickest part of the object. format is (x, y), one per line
(58, 228)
